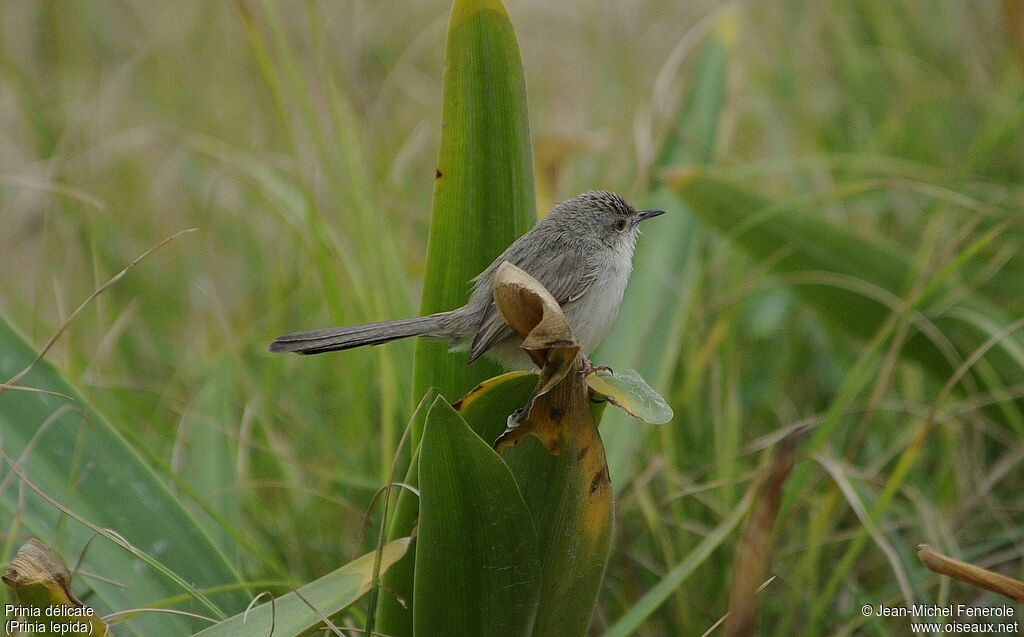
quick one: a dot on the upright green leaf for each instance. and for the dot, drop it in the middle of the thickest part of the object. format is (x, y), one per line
(477, 565)
(483, 191)
(483, 201)
(71, 453)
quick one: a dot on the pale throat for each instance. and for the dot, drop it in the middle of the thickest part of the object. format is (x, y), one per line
(593, 315)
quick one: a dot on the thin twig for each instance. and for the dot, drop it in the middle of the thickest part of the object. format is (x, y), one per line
(971, 574)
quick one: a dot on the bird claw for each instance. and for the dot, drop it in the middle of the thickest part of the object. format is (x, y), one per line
(589, 368)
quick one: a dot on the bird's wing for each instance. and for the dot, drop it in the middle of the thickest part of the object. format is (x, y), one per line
(563, 276)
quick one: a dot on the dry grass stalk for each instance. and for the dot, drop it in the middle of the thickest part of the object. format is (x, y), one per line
(754, 551)
(971, 574)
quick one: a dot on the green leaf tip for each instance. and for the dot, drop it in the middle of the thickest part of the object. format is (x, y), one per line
(484, 194)
(463, 10)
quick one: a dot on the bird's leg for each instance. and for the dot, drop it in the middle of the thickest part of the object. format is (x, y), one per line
(589, 368)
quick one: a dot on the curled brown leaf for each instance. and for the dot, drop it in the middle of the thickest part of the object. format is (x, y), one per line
(536, 317)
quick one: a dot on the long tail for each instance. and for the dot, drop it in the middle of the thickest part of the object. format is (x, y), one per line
(338, 338)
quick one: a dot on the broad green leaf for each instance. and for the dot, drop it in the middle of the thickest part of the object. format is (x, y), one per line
(856, 283)
(569, 496)
(300, 612)
(485, 409)
(668, 266)
(477, 566)
(630, 393)
(71, 453)
(483, 191)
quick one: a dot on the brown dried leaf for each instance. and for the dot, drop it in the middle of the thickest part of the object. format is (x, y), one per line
(40, 580)
(754, 551)
(535, 315)
(35, 563)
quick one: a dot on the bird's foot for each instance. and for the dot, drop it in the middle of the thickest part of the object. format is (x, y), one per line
(589, 368)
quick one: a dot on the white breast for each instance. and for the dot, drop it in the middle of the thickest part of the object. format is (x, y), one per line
(592, 315)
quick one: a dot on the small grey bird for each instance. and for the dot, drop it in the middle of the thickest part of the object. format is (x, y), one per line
(582, 252)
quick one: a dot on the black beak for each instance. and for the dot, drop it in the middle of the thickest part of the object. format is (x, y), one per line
(648, 214)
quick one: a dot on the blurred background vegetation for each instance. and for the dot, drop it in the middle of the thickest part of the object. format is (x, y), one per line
(300, 140)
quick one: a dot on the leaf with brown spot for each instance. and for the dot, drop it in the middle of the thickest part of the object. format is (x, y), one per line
(486, 389)
(569, 494)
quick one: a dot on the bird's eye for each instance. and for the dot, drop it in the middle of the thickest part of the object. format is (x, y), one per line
(620, 224)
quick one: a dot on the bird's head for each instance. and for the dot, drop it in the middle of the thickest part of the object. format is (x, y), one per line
(603, 216)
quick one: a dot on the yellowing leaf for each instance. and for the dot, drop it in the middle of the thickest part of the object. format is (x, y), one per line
(628, 391)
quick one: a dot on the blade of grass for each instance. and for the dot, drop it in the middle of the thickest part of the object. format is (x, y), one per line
(302, 610)
(633, 618)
